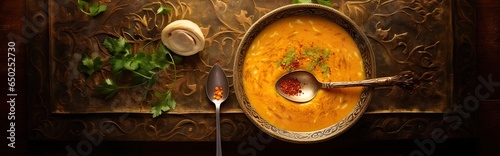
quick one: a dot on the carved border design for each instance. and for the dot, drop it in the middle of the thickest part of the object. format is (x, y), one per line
(44, 125)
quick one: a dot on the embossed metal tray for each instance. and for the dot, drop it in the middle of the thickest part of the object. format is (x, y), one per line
(433, 38)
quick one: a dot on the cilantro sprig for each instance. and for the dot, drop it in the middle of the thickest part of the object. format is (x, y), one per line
(108, 88)
(89, 65)
(165, 103)
(117, 46)
(141, 64)
(142, 67)
(91, 10)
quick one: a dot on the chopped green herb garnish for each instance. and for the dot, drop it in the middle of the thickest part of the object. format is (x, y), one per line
(316, 57)
(326, 70)
(289, 62)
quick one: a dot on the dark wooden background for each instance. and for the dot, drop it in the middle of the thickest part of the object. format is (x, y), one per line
(487, 117)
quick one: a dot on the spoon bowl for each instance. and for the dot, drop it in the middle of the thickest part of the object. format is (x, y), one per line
(309, 84)
(217, 78)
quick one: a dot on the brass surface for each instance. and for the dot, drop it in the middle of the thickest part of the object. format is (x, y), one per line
(433, 38)
(413, 35)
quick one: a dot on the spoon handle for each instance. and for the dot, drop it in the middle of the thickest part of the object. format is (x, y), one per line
(217, 126)
(406, 80)
(382, 81)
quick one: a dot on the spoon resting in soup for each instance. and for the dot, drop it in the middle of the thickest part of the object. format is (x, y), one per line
(302, 43)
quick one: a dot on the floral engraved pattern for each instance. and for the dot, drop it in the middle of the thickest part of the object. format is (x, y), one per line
(412, 35)
(138, 22)
(408, 35)
(418, 41)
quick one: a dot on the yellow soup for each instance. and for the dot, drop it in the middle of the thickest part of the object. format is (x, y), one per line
(302, 42)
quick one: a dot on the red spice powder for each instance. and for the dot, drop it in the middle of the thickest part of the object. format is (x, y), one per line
(290, 86)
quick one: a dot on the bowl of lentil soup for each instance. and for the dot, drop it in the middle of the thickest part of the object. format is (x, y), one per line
(303, 37)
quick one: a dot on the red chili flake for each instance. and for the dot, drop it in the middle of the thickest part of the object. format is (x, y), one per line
(290, 86)
(295, 64)
(218, 93)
